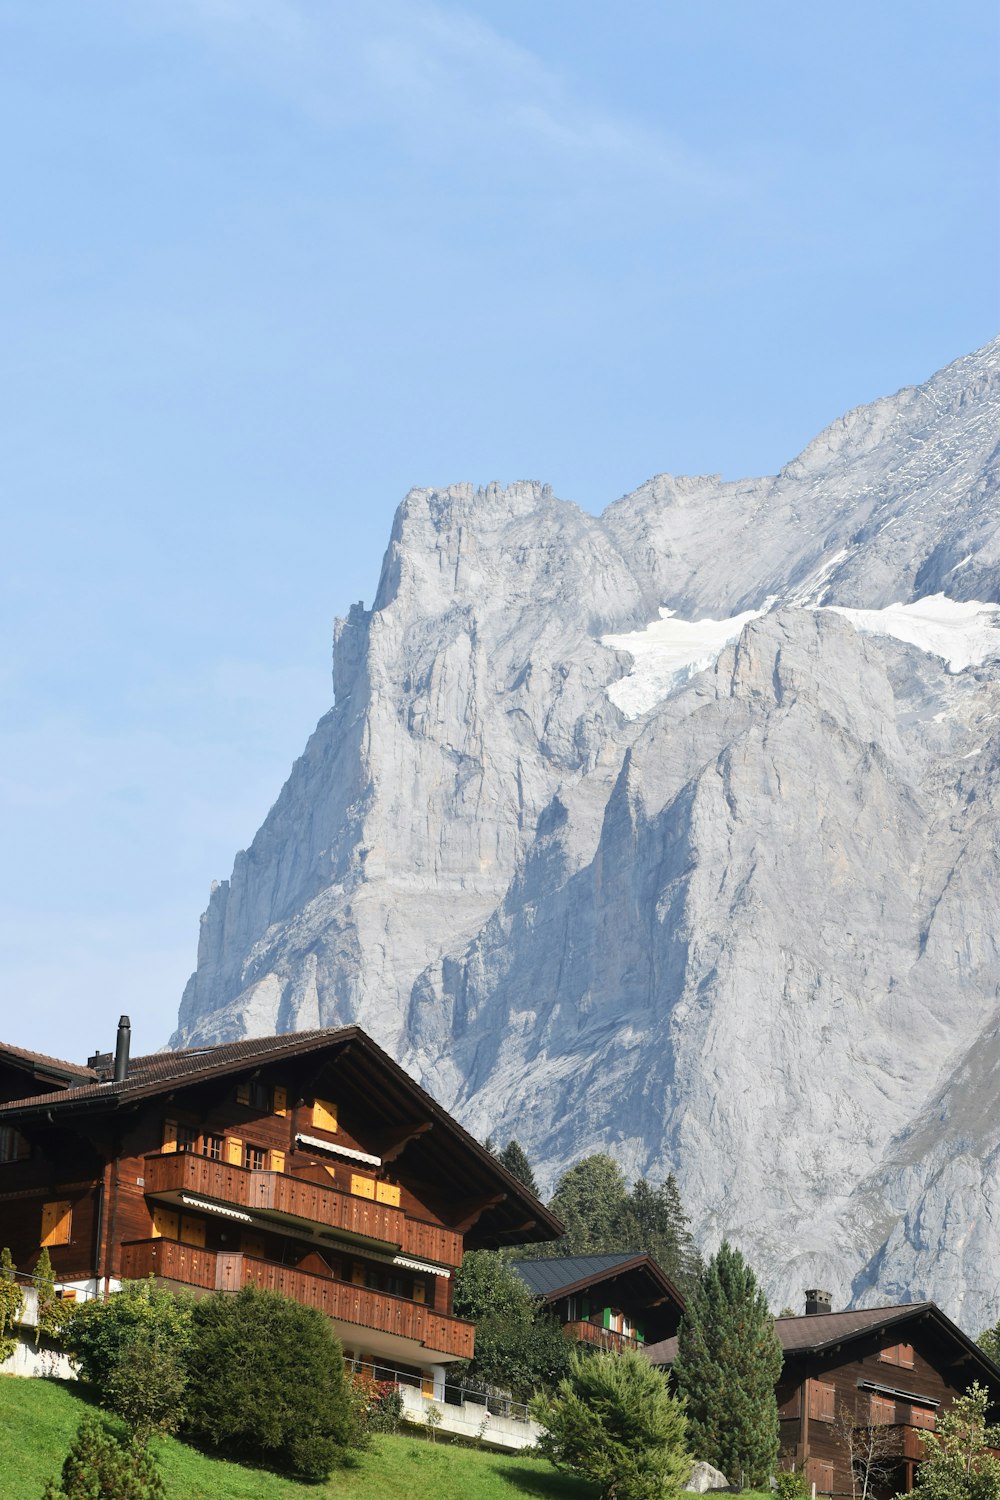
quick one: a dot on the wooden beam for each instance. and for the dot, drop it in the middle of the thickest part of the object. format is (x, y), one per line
(473, 1209)
(394, 1142)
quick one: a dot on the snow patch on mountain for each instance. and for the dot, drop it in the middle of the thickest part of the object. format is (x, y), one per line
(666, 654)
(962, 634)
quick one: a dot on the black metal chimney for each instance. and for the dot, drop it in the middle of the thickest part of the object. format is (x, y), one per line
(121, 1050)
(818, 1302)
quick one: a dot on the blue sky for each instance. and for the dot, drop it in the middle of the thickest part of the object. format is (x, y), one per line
(265, 264)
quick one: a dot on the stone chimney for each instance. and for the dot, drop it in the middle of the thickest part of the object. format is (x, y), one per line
(818, 1302)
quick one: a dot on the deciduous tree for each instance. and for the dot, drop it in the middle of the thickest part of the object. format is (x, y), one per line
(957, 1462)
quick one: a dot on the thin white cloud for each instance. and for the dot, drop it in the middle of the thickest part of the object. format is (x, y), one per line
(447, 83)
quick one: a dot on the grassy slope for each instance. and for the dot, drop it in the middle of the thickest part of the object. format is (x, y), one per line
(39, 1417)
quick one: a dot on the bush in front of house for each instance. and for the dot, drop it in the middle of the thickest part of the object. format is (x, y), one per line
(132, 1350)
(266, 1383)
(99, 1465)
(613, 1421)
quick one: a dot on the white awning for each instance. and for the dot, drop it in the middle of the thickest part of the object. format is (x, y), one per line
(420, 1265)
(315, 1144)
(216, 1208)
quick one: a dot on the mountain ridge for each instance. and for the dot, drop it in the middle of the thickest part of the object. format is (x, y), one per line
(743, 931)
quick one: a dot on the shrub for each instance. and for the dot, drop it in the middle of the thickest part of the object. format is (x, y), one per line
(377, 1403)
(132, 1349)
(519, 1346)
(11, 1305)
(614, 1421)
(958, 1464)
(267, 1382)
(97, 1466)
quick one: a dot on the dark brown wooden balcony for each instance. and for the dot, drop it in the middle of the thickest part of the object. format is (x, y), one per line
(341, 1301)
(282, 1198)
(600, 1338)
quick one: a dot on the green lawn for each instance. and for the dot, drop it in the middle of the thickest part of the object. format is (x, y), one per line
(39, 1417)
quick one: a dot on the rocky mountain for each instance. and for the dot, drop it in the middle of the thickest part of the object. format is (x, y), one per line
(674, 832)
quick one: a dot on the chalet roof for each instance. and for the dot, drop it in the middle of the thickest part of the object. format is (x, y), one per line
(41, 1062)
(562, 1275)
(167, 1072)
(815, 1333)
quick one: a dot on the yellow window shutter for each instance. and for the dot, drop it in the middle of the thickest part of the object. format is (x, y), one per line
(358, 1275)
(242, 1093)
(57, 1223)
(166, 1224)
(419, 1292)
(364, 1187)
(427, 1386)
(193, 1231)
(169, 1135)
(324, 1115)
(234, 1150)
(277, 1161)
(386, 1192)
(280, 1100)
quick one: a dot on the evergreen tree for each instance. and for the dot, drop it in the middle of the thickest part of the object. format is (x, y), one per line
(99, 1465)
(592, 1201)
(728, 1361)
(519, 1346)
(614, 1421)
(989, 1342)
(518, 1165)
(655, 1222)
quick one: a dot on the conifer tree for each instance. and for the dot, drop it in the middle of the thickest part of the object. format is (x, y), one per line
(514, 1159)
(592, 1200)
(728, 1361)
(655, 1222)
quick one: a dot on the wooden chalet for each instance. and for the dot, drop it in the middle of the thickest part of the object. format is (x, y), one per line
(606, 1301)
(873, 1367)
(309, 1164)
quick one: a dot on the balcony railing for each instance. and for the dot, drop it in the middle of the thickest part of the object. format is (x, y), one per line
(281, 1197)
(600, 1338)
(229, 1271)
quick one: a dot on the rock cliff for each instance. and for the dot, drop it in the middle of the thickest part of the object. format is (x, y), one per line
(674, 832)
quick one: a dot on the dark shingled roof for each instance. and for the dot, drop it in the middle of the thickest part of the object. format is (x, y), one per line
(164, 1072)
(148, 1075)
(548, 1278)
(815, 1332)
(44, 1063)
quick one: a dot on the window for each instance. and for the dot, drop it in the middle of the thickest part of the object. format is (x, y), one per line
(883, 1411)
(898, 1354)
(212, 1146)
(822, 1401)
(57, 1223)
(921, 1417)
(819, 1472)
(254, 1157)
(187, 1137)
(13, 1146)
(324, 1115)
(255, 1095)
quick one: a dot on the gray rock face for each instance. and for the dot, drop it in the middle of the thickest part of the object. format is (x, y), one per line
(717, 898)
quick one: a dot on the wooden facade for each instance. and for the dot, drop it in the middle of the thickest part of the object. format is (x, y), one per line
(891, 1369)
(308, 1164)
(610, 1302)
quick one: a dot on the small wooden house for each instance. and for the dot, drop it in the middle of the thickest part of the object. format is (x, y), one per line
(888, 1368)
(308, 1163)
(606, 1301)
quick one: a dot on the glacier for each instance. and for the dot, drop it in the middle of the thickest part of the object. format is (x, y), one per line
(673, 832)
